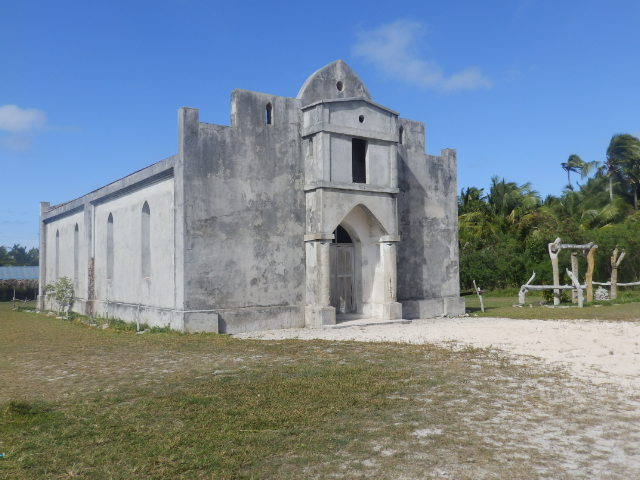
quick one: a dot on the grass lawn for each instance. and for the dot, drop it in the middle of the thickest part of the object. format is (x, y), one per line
(501, 304)
(83, 402)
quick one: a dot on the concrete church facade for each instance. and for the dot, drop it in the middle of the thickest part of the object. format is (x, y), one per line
(302, 211)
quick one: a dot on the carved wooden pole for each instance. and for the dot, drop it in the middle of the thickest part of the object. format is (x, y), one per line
(554, 249)
(523, 289)
(578, 288)
(615, 263)
(574, 270)
(591, 256)
(479, 292)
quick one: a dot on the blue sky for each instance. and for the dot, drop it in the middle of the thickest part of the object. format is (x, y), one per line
(89, 90)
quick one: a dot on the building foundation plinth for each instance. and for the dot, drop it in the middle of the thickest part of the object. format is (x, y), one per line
(316, 317)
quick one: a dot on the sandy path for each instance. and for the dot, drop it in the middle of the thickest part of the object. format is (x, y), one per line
(599, 351)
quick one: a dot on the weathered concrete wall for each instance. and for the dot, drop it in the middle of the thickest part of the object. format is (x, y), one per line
(332, 125)
(428, 276)
(82, 211)
(129, 285)
(336, 80)
(66, 253)
(327, 207)
(244, 215)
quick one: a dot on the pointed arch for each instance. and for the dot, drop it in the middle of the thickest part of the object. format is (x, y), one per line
(57, 262)
(356, 272)
(268, 119)
(110, 253)
(76, 255)
(340, 235)
(359, 217)
(145, 241)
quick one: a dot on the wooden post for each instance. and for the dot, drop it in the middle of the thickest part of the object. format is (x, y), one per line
(591, 256)
(574, 270)
(479, 292)
(523, 289)
(554, 249)
(576, 284)
(615, 263)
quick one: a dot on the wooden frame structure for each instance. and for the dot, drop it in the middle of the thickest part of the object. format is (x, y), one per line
(578, 290)
(554, 249)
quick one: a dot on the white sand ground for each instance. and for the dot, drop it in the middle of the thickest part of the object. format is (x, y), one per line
(598, 351)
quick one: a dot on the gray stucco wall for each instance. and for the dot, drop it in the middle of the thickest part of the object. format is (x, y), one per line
(428, 276)
(244, 213)
(65, 227)
(130, 296)
(128, 284)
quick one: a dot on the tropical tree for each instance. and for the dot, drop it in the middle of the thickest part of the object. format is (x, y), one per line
(573, 164)
(508, 199)
(623, 159)
(471, 199)
(606, 170)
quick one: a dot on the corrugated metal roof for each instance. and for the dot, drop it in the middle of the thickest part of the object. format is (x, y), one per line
(19, 273)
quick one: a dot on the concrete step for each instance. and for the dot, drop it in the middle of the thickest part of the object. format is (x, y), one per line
(364, 322)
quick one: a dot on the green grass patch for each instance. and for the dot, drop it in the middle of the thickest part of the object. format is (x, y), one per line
(82, 402)
(502, 304)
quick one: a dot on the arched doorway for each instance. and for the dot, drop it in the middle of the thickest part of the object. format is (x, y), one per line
(351, 272)
(342, 270)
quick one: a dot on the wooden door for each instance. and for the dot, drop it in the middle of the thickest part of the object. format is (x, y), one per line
(342, 277)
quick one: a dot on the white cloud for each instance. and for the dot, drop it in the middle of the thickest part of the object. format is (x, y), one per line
(19, 125)
(389, 48)
(20, 120)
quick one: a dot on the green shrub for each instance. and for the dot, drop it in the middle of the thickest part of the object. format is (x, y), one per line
(62, 292)
(547, 295)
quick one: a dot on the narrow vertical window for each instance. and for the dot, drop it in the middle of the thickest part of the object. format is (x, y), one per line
(400, 135)
(110, 247)
(76, 255)
(310, 147)
(359, 160)
(145, 241)
(268, 114)
(57, 265)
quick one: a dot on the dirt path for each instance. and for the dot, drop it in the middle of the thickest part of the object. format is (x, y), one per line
(598, 351)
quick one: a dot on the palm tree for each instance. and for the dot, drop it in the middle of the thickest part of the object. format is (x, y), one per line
(606, 170)
(586, 168)
(508, 199)
(623, 159)
(573, 164)
(471, 199)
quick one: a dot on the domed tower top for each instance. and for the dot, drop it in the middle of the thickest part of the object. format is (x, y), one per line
(336, 80)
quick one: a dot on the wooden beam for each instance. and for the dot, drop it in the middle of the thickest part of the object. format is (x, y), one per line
(591, 260)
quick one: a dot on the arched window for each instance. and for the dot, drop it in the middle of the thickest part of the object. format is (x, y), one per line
(340, 235)
(145, 241)
(76, 255)
(400, 135)
(268, 117)
(110, 247)
(57, 265)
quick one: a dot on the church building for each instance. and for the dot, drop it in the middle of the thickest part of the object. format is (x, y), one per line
(302, 212)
